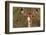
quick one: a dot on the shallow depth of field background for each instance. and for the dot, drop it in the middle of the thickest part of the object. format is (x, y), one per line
(20, 20)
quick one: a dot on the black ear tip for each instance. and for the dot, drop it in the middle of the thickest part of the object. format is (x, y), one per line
(21, 9)
(36, 9)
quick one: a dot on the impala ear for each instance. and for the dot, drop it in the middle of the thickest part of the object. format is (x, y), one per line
(37, 10)
(21, 9)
